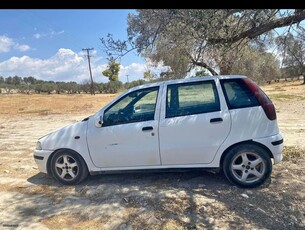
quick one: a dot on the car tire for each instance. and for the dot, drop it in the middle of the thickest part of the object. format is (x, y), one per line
(247, 165)
(68, 167)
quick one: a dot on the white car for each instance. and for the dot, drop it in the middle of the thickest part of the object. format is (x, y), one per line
(224, 122)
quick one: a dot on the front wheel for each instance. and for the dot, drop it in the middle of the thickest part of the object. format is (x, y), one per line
(247, 165)
(68, 167)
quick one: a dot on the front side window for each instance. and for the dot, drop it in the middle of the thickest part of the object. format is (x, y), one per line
(191, 98)
(134, 107)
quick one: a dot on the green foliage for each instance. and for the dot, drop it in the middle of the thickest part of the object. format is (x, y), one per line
(293, 52)
(114, 86)
(202, 73)
(208, 38)
(109, 87)
(112, 71)
(149, 76)
(6, 88)
(258, 65)
(30, 84)
(129, 85)
(16, 80)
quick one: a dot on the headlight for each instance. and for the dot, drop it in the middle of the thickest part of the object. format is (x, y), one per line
(38, 146)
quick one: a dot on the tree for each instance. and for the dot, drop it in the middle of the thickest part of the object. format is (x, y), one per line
(256, 64)
(9, 80)
(30, 80)
(113, 71)
(7, 88)
(129, 85)
(293, 52)
(16, 80)
(47, 87)
(114, 86)
(201, 73)
(148, 75)
(72, 87)
(183, 39)
(86, 86)
(102, 87)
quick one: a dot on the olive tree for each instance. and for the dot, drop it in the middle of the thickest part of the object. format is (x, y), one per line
(184, 39)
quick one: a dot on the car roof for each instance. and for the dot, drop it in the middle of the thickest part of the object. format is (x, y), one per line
(190, 79)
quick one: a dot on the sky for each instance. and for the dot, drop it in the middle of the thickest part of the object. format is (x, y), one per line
(47, 44)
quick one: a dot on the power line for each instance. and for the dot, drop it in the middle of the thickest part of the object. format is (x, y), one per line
(88, 56)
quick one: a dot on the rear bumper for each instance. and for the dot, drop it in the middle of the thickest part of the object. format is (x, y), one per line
(274, 144)
(41, 158)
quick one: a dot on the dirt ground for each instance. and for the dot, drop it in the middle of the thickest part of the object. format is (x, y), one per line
(193, 199)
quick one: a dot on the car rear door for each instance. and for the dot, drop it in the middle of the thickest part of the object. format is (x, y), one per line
(194, 122)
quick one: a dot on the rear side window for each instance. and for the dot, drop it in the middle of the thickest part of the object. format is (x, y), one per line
(237, 94)
(191, 98)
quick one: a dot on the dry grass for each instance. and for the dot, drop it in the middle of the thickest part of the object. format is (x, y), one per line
(72, 221)
(290, 90)
(39, 105)
(293, 154)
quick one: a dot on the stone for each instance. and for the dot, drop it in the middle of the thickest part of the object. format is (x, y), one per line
(152, 220)
(244, 195)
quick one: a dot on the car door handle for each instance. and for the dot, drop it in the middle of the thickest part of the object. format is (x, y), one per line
(147, 128)
(219, 119)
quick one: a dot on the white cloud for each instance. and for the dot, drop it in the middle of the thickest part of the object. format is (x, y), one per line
(50, 33)
(135, 71)
(6, 44)
(66, 65)
(22, 47)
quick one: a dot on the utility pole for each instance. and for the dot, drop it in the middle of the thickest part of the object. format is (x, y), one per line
(127, 78)
(88, 56)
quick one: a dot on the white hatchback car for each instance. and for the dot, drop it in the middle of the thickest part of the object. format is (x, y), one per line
(224, 122)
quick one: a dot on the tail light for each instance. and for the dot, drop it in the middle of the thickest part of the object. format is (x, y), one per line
(262, 98)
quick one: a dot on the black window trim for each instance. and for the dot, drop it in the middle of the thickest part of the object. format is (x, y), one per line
(123, 123)
(216, 93)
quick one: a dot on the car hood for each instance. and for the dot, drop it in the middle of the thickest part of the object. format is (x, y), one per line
(66, 136)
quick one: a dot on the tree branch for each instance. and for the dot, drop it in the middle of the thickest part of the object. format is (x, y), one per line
(204, 65)
(263, 28)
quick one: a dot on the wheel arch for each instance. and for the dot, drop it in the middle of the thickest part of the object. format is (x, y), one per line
(52, 154)
(241, 143)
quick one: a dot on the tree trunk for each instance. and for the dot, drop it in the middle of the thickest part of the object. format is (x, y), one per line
(206, 66)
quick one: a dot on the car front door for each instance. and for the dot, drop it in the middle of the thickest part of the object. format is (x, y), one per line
(193, 124)
(129, 133)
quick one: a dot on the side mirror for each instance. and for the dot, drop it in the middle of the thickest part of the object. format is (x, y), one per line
(99, 121)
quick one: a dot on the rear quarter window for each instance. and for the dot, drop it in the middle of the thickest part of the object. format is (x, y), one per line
(237, 94)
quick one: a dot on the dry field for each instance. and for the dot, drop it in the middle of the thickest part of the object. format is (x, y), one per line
(177, 200)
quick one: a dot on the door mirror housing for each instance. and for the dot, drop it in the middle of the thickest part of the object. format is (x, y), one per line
(99, 121)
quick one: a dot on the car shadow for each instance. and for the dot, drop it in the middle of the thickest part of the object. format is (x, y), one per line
(173, 177)
(204, 197)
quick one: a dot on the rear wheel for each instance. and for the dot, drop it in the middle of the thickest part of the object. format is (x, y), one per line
(247, 165)
(68, 167)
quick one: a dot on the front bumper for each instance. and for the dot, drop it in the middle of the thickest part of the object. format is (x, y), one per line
(275, 145)
(41, 158)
